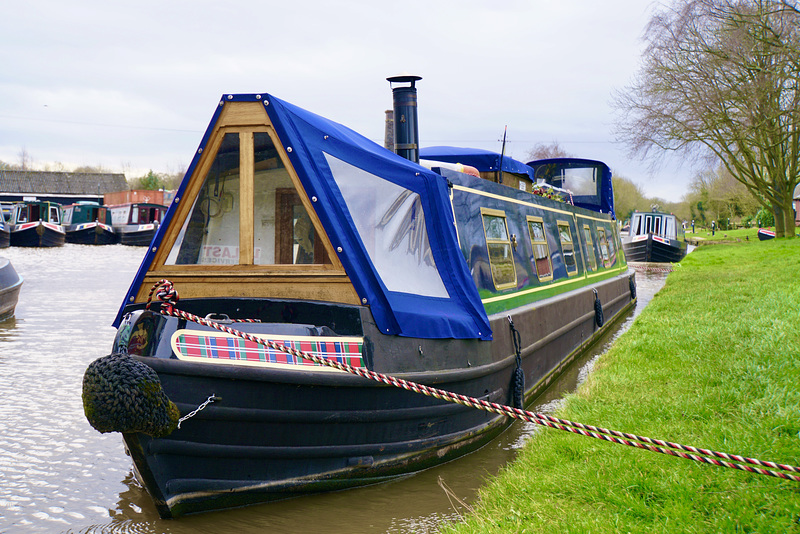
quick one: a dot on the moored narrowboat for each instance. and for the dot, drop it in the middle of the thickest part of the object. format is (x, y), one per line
(88, 223)
(36, 223)
(135, 224)
(10, 285)
(5, 232)
(654, 237)
(291, 228)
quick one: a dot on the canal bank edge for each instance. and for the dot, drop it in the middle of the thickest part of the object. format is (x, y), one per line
(711, 362)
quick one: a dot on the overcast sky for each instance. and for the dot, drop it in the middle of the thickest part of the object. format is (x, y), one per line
(131, 86)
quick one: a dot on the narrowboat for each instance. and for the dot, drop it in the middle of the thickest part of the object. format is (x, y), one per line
(136, 223)
(10, 284)
(5, 232)
(764, 234)
(654, 237)
(88, 223)
(292, 228)
(36, 223)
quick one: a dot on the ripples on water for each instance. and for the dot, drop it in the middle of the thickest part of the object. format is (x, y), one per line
(57, 474)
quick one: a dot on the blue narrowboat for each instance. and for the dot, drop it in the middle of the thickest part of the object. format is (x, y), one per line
(295, 229)
(36, 223)
(88, 223)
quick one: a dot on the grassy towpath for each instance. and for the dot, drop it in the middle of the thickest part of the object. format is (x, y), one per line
(712, 362)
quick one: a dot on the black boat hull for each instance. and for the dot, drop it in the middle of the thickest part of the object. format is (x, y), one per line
(278, 433)
(654, 249)
(764, 235)
(91, 234)
(136, 238)
(37, 235)
(5, 238)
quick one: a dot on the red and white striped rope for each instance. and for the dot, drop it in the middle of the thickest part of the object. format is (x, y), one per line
(614, 436)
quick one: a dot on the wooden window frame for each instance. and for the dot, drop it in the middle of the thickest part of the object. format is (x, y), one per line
(559, 224)
(502, 214)
(528, 220)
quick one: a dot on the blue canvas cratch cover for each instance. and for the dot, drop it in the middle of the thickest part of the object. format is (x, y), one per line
(589, 181)
(483, 160)
(389, 220)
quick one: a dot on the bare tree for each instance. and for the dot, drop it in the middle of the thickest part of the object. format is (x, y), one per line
(721, 78)
(543, 151)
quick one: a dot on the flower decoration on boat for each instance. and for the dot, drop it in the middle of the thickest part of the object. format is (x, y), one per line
(547, 193)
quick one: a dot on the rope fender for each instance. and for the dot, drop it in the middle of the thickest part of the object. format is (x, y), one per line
(598, 310)
(720, 459)
(121, 394)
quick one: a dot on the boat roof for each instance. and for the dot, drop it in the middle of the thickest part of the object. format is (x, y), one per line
(483, 160)
(313, 145)
(595, 193)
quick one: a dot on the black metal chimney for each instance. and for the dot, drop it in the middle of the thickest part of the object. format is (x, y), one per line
(406, 130)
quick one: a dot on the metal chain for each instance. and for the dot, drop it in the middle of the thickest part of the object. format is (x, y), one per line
(209, 400)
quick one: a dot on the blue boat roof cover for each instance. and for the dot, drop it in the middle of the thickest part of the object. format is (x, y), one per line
(483, 160)
(415, 280)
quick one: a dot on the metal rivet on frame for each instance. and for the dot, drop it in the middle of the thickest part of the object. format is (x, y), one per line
(338, 249)
(258, 97)
(288, 149)
(313, 199)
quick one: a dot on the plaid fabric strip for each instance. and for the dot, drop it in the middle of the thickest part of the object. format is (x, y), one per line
(237, 349)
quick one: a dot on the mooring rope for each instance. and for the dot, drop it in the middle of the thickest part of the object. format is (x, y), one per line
(169, 297)
(652, 269)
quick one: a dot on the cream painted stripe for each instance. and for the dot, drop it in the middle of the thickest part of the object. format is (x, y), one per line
(542, 288)
(524, 203)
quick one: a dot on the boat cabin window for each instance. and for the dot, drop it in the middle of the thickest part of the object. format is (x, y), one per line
(501, 256)
(282, 229)
(391, 225)
(567, 247)
(540, 249)
(591, 263)
(54, 215)
(22, 214)
(602, 240)
(657, 225)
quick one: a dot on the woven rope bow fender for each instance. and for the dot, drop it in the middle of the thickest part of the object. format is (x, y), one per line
(121, 394)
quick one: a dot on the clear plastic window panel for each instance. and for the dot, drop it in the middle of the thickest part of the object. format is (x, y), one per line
(391, 224)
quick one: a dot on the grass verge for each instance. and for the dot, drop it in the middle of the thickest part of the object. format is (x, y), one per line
(713, 362)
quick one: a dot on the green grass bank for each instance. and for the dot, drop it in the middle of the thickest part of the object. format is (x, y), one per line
(712, 362)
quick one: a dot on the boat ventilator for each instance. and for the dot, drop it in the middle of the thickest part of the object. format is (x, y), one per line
(169, 297)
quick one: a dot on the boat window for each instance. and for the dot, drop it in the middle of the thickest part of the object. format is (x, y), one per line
(501, 257)
(283, 232)
(590, 254)
(22, 214)
(648, 224)
(541, 251)
(210, 234)
(669, 227)
(657, 225)
(391, 224)
(602, 240)
(53, 215)
(636, 227)
(567, 247)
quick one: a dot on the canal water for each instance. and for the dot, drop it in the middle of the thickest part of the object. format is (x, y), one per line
(57, 474)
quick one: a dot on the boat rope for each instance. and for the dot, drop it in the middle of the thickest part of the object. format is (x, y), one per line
(169, 297)
(654, 269)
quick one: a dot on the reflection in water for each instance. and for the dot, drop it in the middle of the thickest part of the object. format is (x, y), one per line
(60, 475)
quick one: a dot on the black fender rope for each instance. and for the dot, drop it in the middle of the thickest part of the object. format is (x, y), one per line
(169, 297)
